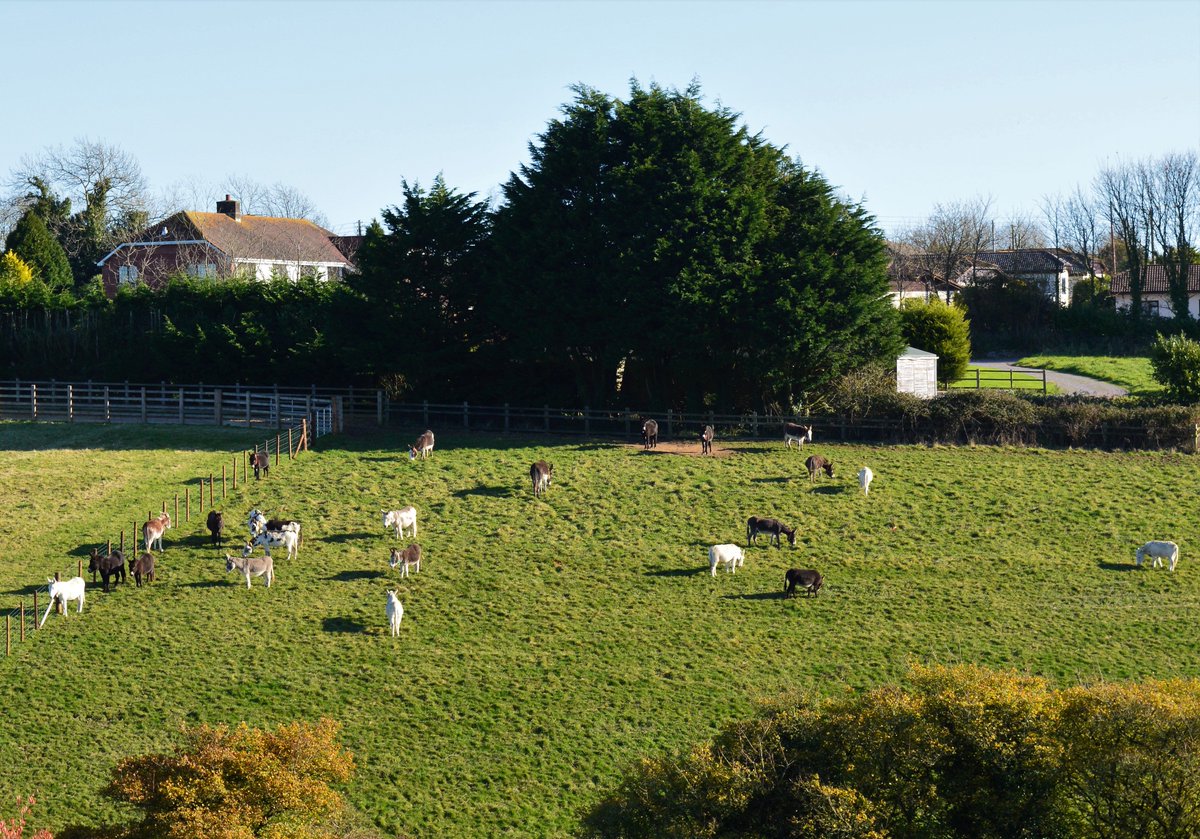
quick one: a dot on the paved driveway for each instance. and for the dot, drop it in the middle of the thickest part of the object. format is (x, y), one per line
(1067, 382)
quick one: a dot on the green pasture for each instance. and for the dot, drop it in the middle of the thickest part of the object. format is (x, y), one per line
(549, 643)
(1133, 373)
(992, 378)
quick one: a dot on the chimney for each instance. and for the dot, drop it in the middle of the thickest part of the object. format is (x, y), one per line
(230, 208)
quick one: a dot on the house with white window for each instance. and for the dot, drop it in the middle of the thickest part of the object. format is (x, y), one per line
(1053, 271)
(1156, 297)
(226, 243)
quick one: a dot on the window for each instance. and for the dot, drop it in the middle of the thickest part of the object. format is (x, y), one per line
(202, 269)
(1150, 307)
(127, 275)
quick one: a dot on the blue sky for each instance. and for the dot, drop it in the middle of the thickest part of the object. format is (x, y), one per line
(901, 105)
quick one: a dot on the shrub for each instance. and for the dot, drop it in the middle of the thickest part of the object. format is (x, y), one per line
(14, 828)
(1176, 363)
(940, 329)
(31, 241)
(954, 752)
(240, 783)
(14, 271)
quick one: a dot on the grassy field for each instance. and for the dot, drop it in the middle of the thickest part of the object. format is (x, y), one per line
(991, 378)
(549, 643)
(1130, 372)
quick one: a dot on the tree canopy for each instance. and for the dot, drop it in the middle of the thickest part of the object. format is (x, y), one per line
(32, 242)
(655, 251)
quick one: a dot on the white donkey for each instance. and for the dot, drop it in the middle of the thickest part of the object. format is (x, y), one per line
(1158, 551)
(400, 520)
(395, 612)
(274, 539)
(252, 567)
(728, 555)
(64, 592)
(865, 476)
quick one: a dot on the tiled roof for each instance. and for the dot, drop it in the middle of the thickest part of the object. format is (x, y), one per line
(265, 237)
(1155, 280)
(1033, 261)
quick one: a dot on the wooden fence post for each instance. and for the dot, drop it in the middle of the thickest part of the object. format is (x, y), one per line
(70, 403)
(291, 455)
(217, 418)
(33, 400)
(200, 496)
(8, 634)
(303, 434)
(176, 519)
(247, 409)
(187, 503)
(181, 406)
(35, 610)
(123, 539)
(233, 469)
(143, 404)
(22, 619)
(245, 466)
(107, 406)
(222, 481)
(278, 440)
(466, 415)
(210, 490)
(78, 573)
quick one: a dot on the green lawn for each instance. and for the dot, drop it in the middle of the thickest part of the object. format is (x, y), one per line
(992, 378)
(549, 643)
(1130, 372)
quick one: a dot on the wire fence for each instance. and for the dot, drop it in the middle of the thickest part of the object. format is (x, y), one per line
(204, 492)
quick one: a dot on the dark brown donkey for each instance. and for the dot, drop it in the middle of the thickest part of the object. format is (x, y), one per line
(111, 566)
(141, 567)
(810, 581)
(816, 465)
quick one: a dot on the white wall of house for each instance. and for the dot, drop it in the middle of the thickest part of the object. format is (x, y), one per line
(263, 269)
(1157, 303)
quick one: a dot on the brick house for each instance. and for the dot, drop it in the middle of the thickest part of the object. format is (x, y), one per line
(1156, 299)
(225, 243)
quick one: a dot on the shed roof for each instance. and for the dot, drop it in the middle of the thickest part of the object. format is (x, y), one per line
(913, 352)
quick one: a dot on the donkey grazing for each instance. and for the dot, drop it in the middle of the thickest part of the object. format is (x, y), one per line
(257, 566)
(112, 565)
(706, 438)
(816, 465)
(810, 581)
(755, 526)
(728, 555)
(423, 446)
(143, 566)
(260, 523)
(1158, 551)
(400, 520)
(650, 434)
(410, 557)
(540, 474)
(153, 530)
(801, 434)
(261, 461)
(216, 526)
(63, 593)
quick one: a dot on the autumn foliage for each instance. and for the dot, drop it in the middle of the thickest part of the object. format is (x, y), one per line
(14, 828)
(239, 783)
(953, 752)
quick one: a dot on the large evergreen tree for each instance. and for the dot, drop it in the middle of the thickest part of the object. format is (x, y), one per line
(31, 241)
(655, 252)
(418, 281)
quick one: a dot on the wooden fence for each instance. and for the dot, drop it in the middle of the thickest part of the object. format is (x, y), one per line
(269, 407)
(1021, 378)
(201, 493)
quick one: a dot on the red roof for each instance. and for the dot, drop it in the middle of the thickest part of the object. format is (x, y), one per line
(1154, 280)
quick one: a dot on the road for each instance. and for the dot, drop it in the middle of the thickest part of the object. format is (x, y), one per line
(1067, 382)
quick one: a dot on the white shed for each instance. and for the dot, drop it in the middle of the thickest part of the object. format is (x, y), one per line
(916, 372)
